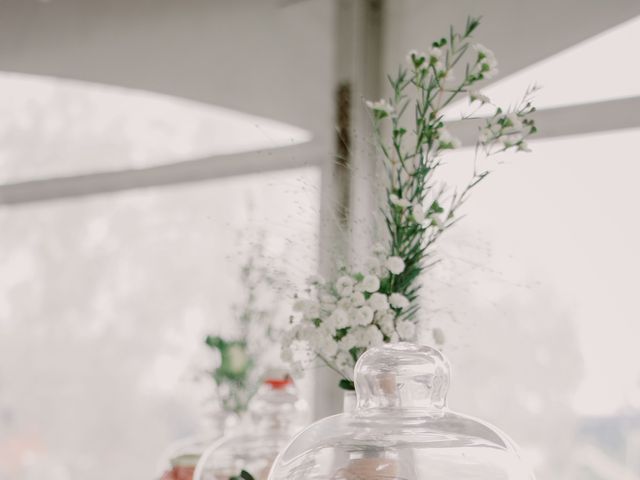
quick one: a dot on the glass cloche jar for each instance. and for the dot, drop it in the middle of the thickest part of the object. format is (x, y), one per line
(276, 413)
(181, 458)
(400, 429)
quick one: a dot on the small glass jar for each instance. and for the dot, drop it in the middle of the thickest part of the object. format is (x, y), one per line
(400, 429)
(182, 456)
(276, 413)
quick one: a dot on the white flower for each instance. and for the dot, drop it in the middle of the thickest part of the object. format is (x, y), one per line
(344, 286)
(324, 344)
(344, 303)
(378, 249)
(400, 202)
(397, 300)
(512, 139)
(415, 58)
(487, 61)
(394, 338)
(437, 221)
(435, 53)
(418, 213)
(344, 362)
(449, 76)
(357, 299)
(514, 121)
(524, 147)
(372, 263)
(379, 302)
(357, 337)
(486, 134)
(446, 140)
(380, 106)
(386, 324)
(327, 299)
(363, 315)
(395, 265)
(474, 95)
(328, 325)
(406, 330)
(339, 318)
(370, 284)
(374, 336)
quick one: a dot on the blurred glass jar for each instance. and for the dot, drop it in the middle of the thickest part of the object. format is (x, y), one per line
(276, 413)
(181, 457)
(401, 429)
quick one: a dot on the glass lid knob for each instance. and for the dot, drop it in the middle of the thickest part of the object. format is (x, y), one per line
(402, 376)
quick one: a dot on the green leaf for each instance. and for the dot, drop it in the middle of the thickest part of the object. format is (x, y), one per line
(347, 385)
(215, 342)
(244, 475)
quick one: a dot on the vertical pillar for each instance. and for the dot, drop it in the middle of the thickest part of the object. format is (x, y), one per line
(349, 190)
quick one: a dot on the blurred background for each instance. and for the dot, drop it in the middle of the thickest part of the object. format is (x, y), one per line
(139, 139)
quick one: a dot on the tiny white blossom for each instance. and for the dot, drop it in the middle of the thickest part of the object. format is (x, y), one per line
(406, 330)
(340, 318)
(325, 344)
(435, 52)
(415, 58)
(344, 362)
(524, 147)
(514, 120)
(379, 302)
(418, 213)
(449, 76)
(327, 298)
(446, 140)
(344, 303)
(487, 61)
(363, 315)
(381, 106)
(357, 299)
(372, 263)
(370, 284)
(386, 325)
(437, 221)
(395, 265)
(400, 202)
(374, 336)
(344, 286)
(474, 95)
(486, 134)
(512, 139)
(397, 300)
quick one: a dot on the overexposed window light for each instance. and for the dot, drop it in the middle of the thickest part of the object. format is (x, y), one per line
(54, 127)
(598, 69)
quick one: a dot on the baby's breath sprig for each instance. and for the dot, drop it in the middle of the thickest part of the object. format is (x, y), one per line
(339, 319)
(415, 213)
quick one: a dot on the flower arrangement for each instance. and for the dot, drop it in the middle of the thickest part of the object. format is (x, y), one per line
(242, 360)
(340, 318)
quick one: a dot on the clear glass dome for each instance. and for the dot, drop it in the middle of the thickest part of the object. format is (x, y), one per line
(401, 429)
(276, 413)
